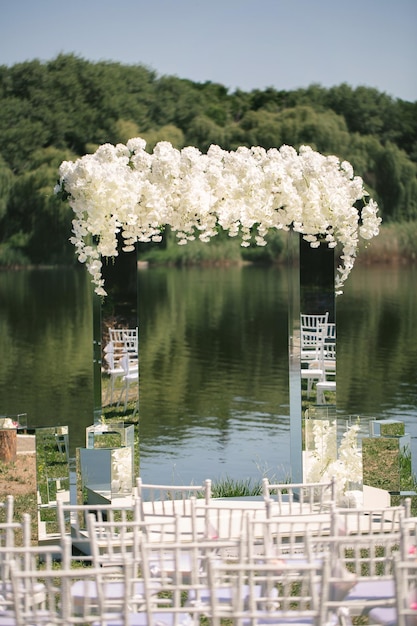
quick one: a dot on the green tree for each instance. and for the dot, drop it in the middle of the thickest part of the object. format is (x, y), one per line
(6, 183)
(36, 215)
(396, 184)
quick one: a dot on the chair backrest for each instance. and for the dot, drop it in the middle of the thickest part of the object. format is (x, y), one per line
(367, 556)
(226, 518)
(298, 498)
(42, 595)
(170, 499)
(361, 569)
(351, 521)
(124, 340)
(313, 321)
(73, 521)
(7, 509)
(408, 533)
(180, 573)
(329, 331)
(285, 537)
(29, 558)
(15, 537)
(116, 542)
(405, 574)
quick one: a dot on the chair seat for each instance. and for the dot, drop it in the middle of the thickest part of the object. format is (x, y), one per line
(371, 590)
(161, 619)
(324, 385)
(383, 615)
(224, 595)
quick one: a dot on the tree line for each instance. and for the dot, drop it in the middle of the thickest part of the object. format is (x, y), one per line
(64, 108)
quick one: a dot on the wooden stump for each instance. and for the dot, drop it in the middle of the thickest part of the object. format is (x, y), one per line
(8, 445)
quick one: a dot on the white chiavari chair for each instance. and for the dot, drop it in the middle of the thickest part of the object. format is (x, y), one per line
(285, 537)
(120, 356)
(118, 544)
(361, 570)
(311, 334)
(404, 613)
(72, 521)
(181, 570)
(351, 521)
(27, 557)
(225, 518)
(298, 498)
(270, 593)
(58, 607)
(170, 500)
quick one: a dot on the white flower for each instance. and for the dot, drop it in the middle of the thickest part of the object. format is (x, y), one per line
(121, 470)
(326, 461)
(125, 190)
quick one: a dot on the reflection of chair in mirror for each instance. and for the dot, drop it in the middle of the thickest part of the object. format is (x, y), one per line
(329, 366)
(123, 341)
(113, 370)
(314, 373)
(129, 377)
(52, 475)
(311, 336)
(318, 353)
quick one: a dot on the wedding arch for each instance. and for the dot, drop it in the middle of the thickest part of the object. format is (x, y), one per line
(125, 191)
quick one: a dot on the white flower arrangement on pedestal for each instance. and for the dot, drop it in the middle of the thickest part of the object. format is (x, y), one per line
(125, 190)
(326, 461)
(121, 471)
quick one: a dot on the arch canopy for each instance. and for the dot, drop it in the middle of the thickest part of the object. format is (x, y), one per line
(125, 191)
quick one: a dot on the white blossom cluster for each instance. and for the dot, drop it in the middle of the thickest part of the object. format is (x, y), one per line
(121, 470)
(326, 461)
(124, 190)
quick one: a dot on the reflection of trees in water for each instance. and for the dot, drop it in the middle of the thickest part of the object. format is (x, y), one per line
(45, 342)
(208, 336)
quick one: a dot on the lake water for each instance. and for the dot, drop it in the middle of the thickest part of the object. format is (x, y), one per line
(213, 361)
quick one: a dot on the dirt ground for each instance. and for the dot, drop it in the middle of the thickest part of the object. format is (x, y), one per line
(18, 477)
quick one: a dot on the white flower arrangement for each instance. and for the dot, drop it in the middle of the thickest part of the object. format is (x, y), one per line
(121, 470)
(326, 461)
(125, 190)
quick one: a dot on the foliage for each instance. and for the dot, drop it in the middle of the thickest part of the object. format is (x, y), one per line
(72, 106)
(230, 488)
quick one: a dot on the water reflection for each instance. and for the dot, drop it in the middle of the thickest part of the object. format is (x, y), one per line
(214, 368)
(214, 388)
(116, 335)
(46, 348)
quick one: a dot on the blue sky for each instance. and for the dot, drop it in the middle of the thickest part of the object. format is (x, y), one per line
(246, 44)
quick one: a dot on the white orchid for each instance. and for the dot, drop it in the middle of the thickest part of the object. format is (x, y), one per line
(125, 190)
(326, 461)
(121, 470)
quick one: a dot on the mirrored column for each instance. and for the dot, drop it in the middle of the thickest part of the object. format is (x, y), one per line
(312, 340)
(116, 342)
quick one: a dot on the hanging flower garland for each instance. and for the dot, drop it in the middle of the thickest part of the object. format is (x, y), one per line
(125, 190)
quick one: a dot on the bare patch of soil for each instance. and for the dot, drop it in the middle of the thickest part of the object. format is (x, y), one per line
(18, 478)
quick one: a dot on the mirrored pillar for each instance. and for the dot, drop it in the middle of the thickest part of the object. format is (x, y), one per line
(311, 291)
(116, 341)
